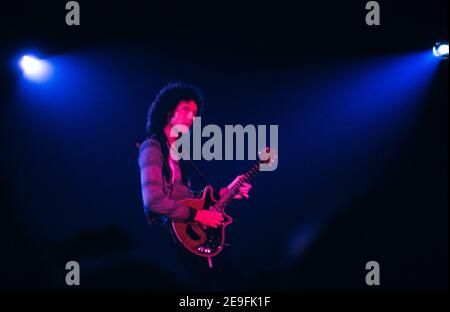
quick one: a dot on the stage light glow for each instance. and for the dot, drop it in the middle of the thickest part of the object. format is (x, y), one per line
(440, 50)
(34, 69)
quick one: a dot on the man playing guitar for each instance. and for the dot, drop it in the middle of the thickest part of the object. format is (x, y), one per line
(164, 181)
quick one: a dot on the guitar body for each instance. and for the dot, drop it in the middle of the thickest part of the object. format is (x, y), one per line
(197, 238)
(206, 241)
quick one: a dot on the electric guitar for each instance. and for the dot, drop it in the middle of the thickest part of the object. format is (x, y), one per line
(207, 241)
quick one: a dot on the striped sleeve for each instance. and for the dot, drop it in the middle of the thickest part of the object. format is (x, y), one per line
(155, 200)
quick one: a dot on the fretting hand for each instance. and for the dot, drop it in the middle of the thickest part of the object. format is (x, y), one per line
(244, 189)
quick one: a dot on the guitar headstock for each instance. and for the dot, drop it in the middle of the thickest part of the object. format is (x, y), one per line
(268, 159)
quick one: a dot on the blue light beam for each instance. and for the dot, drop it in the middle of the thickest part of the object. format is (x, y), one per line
(35, 69)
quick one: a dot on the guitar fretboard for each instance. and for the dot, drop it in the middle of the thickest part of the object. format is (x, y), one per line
(228, 197)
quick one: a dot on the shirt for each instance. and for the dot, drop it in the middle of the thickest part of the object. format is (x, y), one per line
(161, 197)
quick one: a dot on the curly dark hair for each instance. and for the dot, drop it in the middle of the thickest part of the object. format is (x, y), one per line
(167, 100)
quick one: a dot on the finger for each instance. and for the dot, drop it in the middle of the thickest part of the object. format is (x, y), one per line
(247, 185)
(238, 196)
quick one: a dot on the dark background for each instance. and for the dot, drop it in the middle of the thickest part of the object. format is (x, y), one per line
(69, 174)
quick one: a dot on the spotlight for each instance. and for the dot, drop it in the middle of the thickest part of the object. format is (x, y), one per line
(440, 50)
(34, 68)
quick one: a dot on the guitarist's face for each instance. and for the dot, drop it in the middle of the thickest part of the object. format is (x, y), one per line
(184, 114)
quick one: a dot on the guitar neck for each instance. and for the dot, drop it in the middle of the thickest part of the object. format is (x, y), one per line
(228, 197)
